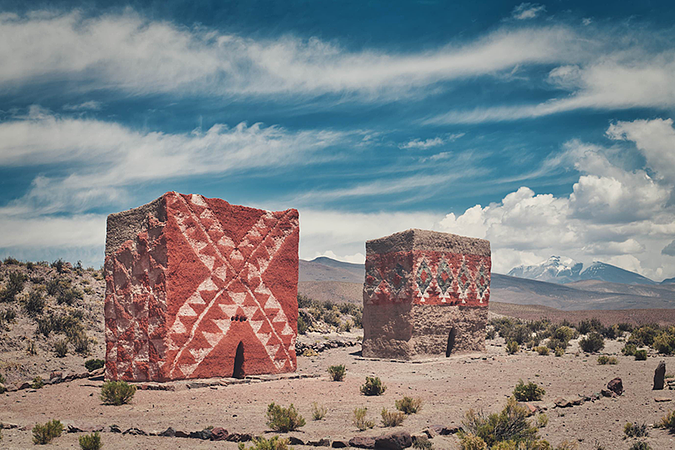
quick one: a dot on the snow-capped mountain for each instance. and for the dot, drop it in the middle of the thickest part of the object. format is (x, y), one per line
(565, 270)
(555, 270)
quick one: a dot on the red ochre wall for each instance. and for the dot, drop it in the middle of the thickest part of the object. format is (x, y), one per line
(185, 291)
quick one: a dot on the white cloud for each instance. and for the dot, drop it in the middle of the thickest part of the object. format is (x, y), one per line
(526, 11)
(356, 258)
(91, 105)
(617, 215)
(431, 142)
(139, 56)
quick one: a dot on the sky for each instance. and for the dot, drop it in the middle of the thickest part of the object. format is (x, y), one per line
(546, 128)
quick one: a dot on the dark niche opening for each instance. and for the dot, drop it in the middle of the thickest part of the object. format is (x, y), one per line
(239, 362)
(451, 342)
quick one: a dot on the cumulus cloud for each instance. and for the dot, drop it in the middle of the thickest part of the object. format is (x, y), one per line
(618, 215)
(526, 11)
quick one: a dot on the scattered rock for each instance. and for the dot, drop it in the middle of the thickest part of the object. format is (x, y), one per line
(340, 444)
(55, 375)
(239, 437)
(659, 376)
(362, 442)
(320, 443)
(662, 399)
(24, 386)
(607, 393)
(562, 403)
(204, 435)
(394, 441)
(169, 432)
(577, 402)
(8, 426)
(114, 429)
(135, 432)
(197, 385)
(292, 440)
(219, 434)
(615, 386)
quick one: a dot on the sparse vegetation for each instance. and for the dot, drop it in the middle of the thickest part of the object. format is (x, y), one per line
(640, 445)
(640, 355)
(611, 360)
(274, 443)
(542, 420)
(93, 364)
(341, 317)
(409, 405)
(543, 351)
(482, 431)
(392, 418)
(90, 441)
(635, 430)
(283, 419)
(629, 349)
(36, 302)
(559, 351)
(528, 392)
(337, 373)
(360, 420)
(422, 443)
(117, 392)
(512, 348)
(373, 386)
(318, 412)
(668, 422)
(592, 343)
(61, 348)
(31, 348)
(44, 434)
(14, 287)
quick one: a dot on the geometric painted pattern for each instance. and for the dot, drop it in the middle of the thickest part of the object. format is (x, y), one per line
(432, 278)
(183, 295)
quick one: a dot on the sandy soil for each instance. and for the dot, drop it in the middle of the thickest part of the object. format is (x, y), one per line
(448, 387)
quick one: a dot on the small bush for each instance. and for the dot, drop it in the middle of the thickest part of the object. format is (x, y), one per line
(31, 348)
(81, 343)
(640, 355)
(469, 441)
(36, 303)
(608, 360)
(13, 288)
(559, 351)
(543, 351)
(44, 434)
(510, 424)
(665, 342)
(310, 352)
(373, 386)
(640, 445)
(360, 420)
(284, 419)
(117, 392)
(490, 334)
(542, 420)
(91, 441)
(635, 430)
(274, 443)
(528, 392)
(61, 348)
(302, 326)
(93, 364)
(392, 418)
(422, 443)
(668, 422)
(318, 412)
(337, 373)
(629, 349)
(59, 265)
(592, 343)
(409, 405)
(512, 348)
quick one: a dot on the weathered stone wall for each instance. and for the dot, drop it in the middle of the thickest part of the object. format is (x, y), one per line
(189, 279)
(420, 285)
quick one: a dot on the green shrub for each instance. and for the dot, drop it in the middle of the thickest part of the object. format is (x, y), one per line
(284, 419)
(117, 392)
(422, 443)
(91, 441)
(43, 434)
(409, 405)
(35, 303)
(93, 364)
(528, 392)
(490, 333)
(302, 326)
(668, 422)
(59, 265)
(81, 343)
(640, 445)
(559, 351)
(510, 424)
(373, 386)
(337, 373)
(512, 348)
(635, 430)
(629, 349)
(360, 420)
(13, 288)
(644, 335)
(640, 355)
(469, 441)
(274, 443)
(665, 342)
(392, 418)
(37, 383)
(611, 360)
(543, 351)
(61, 348)
(592, 343)
(318, 412)
(542, 420)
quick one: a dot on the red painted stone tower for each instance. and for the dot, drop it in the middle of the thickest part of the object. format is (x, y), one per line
(198, 288)
(426, 293)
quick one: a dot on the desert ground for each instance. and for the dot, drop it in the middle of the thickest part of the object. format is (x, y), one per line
(448, 387)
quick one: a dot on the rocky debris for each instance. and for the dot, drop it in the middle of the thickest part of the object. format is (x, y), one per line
(659, 376)
(320, 443)
(615, 386)
(204, 435)
(114, 429)
(340, 444)
(319, 347)
(169, 432)
(292, 440)
(662, 399)
(435, 430)
(562, 403)
(55, 377)
(156, 387)
(181, 434)
(8, 426)
(134, 432)
(239, 437)
(394, 441)
(82, 429)
(362, 442)
(55, 374)
(219, 434)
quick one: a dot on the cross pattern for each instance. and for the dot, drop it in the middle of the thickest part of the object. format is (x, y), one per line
(235, 283)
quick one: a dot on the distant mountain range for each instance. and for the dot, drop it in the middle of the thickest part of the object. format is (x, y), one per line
(328, 279)
(564, 270)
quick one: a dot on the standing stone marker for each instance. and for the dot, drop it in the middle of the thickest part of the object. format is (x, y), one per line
(426, 293)
(659, 376)
(197, 288)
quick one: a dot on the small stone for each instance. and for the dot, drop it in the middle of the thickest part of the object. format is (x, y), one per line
(362, 442)
(169, 432)
(615, 386)
(340, 444)
(181, 434)
(292, 440)
(320, 443)
(114, 429)
(394, 441)
(135, 432)
(662, 399)
(219, 434)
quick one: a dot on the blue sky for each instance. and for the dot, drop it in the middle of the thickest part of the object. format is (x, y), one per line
(543, 127)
